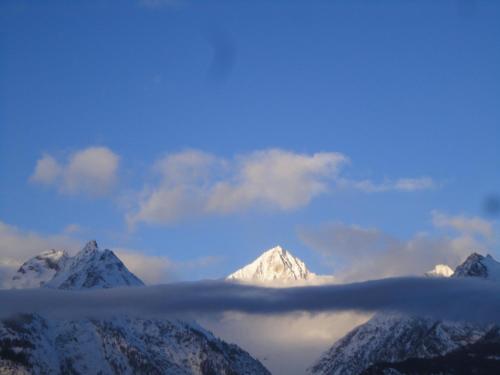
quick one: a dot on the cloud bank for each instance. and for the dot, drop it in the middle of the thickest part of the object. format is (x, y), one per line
(451, 299)
(194, 183)
(91, 171)
(469, 225)
(360, 253)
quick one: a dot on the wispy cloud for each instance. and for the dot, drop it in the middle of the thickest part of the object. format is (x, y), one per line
(401, 184)
(195, 183)
(461, 223)
(359, 253)
(91, 171)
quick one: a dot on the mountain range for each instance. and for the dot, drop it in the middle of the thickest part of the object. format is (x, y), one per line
(386, 344)
(390, 338)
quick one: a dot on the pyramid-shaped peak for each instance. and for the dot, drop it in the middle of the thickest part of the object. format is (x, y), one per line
(274, 265)
(474, 257)
(92, 268)
(90, 246)
(276, 250)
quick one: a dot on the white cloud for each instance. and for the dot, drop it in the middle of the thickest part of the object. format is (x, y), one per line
(17, 246)
(364, 253)
(91, 171)
(194, 183)
(463, 224)
(414, 184)
(47, 170)
(277, 178)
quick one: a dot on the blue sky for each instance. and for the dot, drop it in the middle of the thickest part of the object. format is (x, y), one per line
(404, 90)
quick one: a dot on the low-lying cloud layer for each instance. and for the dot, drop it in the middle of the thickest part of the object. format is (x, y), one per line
(452, 299)
(358, 253)
(464, 224)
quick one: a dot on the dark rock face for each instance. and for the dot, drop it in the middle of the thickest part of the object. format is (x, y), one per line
(472, 267)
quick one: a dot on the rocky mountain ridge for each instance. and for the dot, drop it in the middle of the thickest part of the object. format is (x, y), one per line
(394, 338)
(39, 345)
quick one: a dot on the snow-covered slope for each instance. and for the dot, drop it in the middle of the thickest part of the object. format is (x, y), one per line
(35, 344)
(396, 337)
(32, 344)
(440, 270)
(391, 338)
(477, 265)
(40, 269)
(93, 268)
(276, 265)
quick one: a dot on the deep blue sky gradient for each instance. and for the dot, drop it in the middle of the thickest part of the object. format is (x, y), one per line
(404, 88)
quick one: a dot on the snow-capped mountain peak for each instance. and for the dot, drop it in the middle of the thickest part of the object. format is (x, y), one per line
(440, 270)
(40, 269)
(477, 265)
(276, 264)
(92, 268)
(90, 247)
